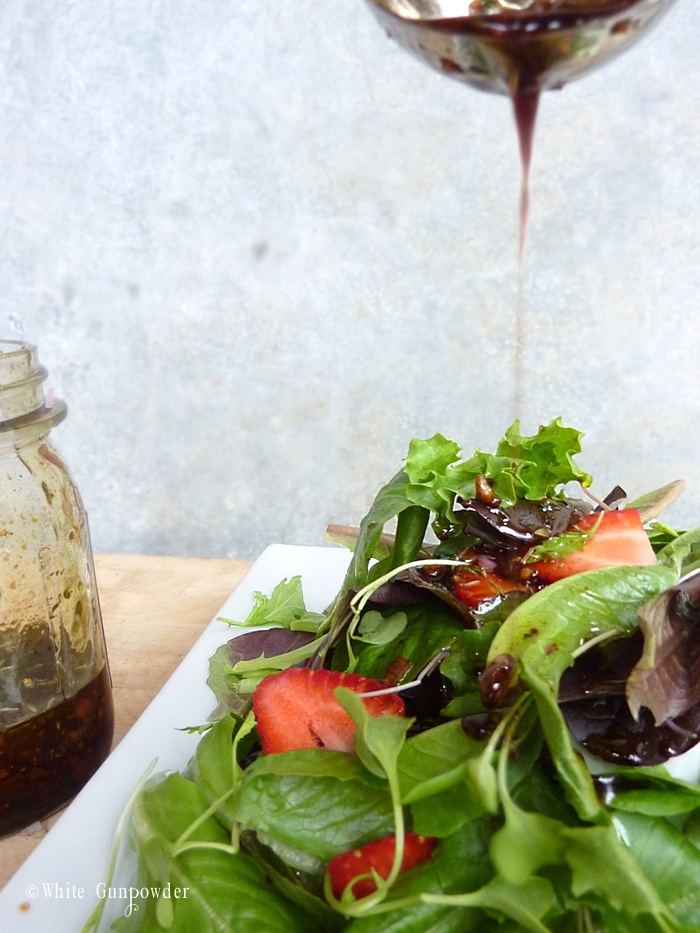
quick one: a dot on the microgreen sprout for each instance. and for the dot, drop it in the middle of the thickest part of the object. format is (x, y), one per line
(360, 600)
(92, 924)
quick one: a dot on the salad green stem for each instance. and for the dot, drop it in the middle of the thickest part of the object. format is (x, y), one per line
(92, 923)
(368, 905)
(432, 664)
(596, 640)
(245, 728)
(217, 846)
(495, 895)
(182, 845)
(503, 733)
(584, 920)
(363, 596)
(365, 906)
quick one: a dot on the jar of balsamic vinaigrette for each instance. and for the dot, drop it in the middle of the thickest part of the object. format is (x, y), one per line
(56, 713)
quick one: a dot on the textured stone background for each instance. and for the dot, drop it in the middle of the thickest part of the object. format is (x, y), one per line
(260, 248)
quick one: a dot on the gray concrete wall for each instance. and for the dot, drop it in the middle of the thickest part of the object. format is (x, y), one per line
(260, 248)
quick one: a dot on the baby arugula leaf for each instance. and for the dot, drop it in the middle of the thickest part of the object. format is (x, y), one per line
(284, 607)
(653, 792)
(527, 841)
(378, 739)
(215, 767)
(445, 811)
(525, 903)
(388, 503)
(446, 779)
(651, 504)
(434, 760)
(212, 766)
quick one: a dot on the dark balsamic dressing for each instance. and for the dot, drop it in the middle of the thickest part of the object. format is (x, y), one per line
(46, 760)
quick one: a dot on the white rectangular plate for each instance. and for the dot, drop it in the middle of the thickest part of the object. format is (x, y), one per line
(56, 888)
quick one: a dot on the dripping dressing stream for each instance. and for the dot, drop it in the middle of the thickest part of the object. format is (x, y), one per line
(518, 48)
(525, 104)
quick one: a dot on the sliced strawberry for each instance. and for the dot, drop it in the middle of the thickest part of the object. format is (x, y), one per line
(379, 856)
(618, 540)
(297, 709)
(473, 585)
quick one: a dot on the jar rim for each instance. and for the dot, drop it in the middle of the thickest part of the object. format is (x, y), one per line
(17, 344)
(22, 400)
(19, 364)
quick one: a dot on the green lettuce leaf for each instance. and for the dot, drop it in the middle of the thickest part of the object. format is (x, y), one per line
(225, 892)
(533, 467)
(548, 629)
(322, 813)
(284, 607)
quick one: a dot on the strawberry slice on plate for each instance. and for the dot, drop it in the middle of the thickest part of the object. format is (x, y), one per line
(619, 540)
(376, 856)
(296, 709)
(474, 586)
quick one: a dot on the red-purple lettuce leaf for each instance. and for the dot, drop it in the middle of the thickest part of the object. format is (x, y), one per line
(247, 647)
(666, 679)
(604, 726)
(592, 697)
(426, 586)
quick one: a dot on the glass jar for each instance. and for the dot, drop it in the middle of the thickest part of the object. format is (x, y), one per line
(56, 713)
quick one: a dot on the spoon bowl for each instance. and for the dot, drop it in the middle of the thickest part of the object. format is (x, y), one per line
(523, 45)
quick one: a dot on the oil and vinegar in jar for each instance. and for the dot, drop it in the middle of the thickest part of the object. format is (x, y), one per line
(56, 712)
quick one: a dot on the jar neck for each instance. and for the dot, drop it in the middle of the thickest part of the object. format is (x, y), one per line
(24, 411)
(27, 428)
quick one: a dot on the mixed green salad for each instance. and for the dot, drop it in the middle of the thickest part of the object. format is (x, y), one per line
(472, 737)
